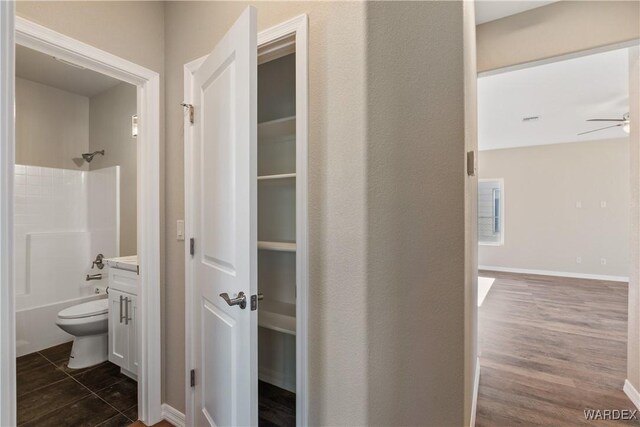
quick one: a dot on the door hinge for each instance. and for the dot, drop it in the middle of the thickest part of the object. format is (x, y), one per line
(193, 378)
(192, 246)
(471, 163)
(191, 112)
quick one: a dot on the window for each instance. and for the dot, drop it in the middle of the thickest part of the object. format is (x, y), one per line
(491, 212)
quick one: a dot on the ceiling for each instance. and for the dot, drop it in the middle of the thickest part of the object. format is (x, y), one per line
(38, 67)
(490, 10)
(562, 94)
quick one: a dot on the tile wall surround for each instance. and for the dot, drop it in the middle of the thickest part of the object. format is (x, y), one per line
(62, 219)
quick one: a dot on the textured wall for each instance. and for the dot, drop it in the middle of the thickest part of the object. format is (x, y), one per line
(556, 29)
(52, 126)
(415, 213)
(110, 130)
(543, 229)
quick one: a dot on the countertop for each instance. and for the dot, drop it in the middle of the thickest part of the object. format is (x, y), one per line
(124, 263)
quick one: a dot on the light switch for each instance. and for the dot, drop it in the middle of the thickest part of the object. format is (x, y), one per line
(180, 230)
(578, 260)
(578, 204)
(603, 204)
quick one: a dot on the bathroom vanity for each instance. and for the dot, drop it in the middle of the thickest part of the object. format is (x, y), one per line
(123, 324)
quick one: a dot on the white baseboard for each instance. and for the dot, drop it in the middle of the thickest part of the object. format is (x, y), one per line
(474, 401)
(277, 378)
(172, 415)
(632, 393)
(555, 273)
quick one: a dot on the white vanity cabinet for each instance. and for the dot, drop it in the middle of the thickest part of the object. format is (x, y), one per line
(123, 322)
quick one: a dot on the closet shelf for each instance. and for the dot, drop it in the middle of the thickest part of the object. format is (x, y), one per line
(278, 176)
(277, 246)
(277, 129)
(277, 316)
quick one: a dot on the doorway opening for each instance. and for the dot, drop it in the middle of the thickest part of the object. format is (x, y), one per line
(249, 297)
(79, 188)
(277, 235)
(554, 204)
(74, 214)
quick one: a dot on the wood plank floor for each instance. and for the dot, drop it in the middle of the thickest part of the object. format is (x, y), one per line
(49, 393)
(276, 406)
(549, 349)
(160, 424)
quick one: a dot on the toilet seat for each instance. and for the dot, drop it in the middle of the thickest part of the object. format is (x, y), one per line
(87, 309)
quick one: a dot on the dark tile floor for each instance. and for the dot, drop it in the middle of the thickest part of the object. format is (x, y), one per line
(51, 394)
(276, 406)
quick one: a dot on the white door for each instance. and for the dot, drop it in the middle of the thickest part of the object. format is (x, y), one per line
(224, 224)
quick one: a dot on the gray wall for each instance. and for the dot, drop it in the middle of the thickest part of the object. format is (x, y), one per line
(556, 29)
(52, 126)
(110, 130)
(415, 213)
(543, 229)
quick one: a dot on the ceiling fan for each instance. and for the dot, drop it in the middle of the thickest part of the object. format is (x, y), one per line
(624, 122)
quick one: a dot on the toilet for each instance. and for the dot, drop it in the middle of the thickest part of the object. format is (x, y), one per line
(88, 323)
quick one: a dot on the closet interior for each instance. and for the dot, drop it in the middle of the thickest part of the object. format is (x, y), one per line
(277, 233)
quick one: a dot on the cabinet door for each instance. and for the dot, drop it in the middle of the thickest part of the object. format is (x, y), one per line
(118, 331)
(133, 334)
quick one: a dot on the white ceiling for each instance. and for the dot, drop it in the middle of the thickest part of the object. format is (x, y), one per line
(563, 94)
(38, 67)
(490, 10)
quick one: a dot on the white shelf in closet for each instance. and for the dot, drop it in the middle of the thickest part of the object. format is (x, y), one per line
(278, 176)
(277, 246)
(278, 316)
(277, 129)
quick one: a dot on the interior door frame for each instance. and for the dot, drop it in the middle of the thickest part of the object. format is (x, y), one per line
(297, 27)
(7, 149)
(634, 271)
(42, 39)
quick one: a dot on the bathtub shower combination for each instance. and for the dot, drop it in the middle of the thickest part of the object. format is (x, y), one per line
(63, 220)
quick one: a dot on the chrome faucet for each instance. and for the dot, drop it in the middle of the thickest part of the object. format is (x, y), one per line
(98, 262)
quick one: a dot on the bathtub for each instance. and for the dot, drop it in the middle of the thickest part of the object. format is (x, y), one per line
(36, 327)
(62, 220)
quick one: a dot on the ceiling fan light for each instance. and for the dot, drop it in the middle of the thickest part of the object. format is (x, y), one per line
(626, 127)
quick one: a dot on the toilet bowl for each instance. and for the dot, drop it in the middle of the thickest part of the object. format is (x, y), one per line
(88, 323)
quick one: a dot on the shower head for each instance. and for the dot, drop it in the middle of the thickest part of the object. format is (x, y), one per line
(89, 156)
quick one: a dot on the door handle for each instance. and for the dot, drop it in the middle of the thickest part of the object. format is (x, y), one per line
(121, 316)
(240, 300)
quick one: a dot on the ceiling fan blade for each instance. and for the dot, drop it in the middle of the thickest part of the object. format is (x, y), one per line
(606, 127)
(606, 120)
